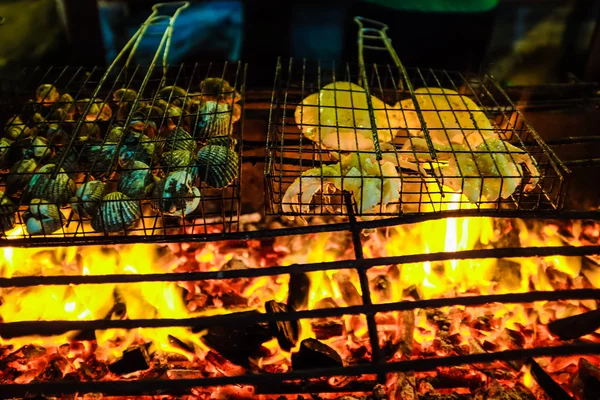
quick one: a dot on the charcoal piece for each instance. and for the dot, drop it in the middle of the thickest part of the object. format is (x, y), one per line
(326, 328)
(348, 290)
(180, 344)
(382, 286)
(586, 382)
(314, 354)
(549, 385)
(576, 326)
(238, 342)
(134, 359)
(285, 331)
(298, 291)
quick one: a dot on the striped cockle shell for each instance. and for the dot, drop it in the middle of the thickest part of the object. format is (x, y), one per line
(176, 195)
(218, 166)
(100, 158)
(180, 139)
(136, 146)
(19, 176)
(43, 218)
(116, 213)
(136, 181)
(58, 189)
(87, 198)
(178, 159)
(214, 119)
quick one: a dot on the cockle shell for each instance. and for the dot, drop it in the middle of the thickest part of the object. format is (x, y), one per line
(87, 198)
(8, 209)
(4, 148)
(176, 195)
(19, 176)
(46, 94)
(58, 189)
(117, 212)
(180, 139)
(100, 158)
(69, 164)
(214, 119)
(218, 166)
(15, 128)
(37, 147)
(99, 109)
(178, 159)
(137, 181)
(124, 94)
(136, 146)
(43, 218)
(217, 89)
(115, 134)
(226, 141)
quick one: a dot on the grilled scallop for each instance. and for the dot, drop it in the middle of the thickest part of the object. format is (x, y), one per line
(58, 189)
(43, 218)
(176, 195)
(218, 166)
(117, 212)
(137, 181)
(87, 198)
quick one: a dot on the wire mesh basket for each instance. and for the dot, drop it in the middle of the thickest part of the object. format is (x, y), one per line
(455, 141)
(164, 163)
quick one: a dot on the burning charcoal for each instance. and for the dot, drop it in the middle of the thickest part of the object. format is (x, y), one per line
(381, 285)
(586, 382)
(314, 354)
(326, 328)
(285, 331)
(223, 365)
(349, 292)
(238, 342)
(298, 291)
(576, 326)
(495, 391)
(134, 359)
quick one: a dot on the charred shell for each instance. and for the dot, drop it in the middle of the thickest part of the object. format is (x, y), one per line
(178, 159)
(43, 218)
(47, 184)
(117, 212)
(15, 128)
(8, 210)
(180, 139)
(218, 166)
(100, 158)
(217, 89)
(136, 146)
(137, 181)
(87, 198)
(176, 195)
(19, 176)
(46, 94)
(214, 120)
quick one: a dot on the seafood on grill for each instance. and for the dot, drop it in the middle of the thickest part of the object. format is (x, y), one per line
(43, 218)
(217, 89)
(449, 116)
(15, 128)
(179, 139)
(87, 198)
(98, 109)
(136, 146)
(174, 95)
(176, 194)
(46, 94)
(337, 117)
(125, 99)
(482, 169)
(177, 159)
(19, 176)
(115, 134)
(116, 213)
(373, 184)
(37, 147)
(136, 181)
(216, 119)
(218, 166)
(52, 185)
(100, 158)
(69, 163)
(4, 153)
(8, 211)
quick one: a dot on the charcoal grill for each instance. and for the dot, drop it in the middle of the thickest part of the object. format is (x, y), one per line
(281, 167)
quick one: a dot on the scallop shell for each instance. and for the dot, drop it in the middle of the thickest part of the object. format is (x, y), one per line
(8, 211)
(57, 189)
(176, 195)
(177, 159)
(116, 213)
(180, 139)
(136, 147)
(136, 182)
(19, 176)
(214, 120)
(46, 94)
(100, 158)
(218, 166)
(43, 218)
(87, 198)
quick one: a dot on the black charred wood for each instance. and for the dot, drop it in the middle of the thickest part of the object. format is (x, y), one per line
(286, 332)
(314, 354)
(238, 342)
(298, 291)
(576, 326)
(134, 359)
(326, 328)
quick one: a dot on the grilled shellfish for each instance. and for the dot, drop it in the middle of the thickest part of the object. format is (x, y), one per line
(177, 159)
(137, 181)
(98, 109)
(7, 213)
(46, 94)
(43, 218)
(87, 198)
(217, 89)
(15, 128)
(19, 176)
(180, 139)
(218, 166)
(176, 195)
(136, 146)
(56, 189)
(117, 212)
(100, 157)
(214, 119)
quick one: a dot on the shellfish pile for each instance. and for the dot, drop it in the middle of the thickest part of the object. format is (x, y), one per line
(105, 158)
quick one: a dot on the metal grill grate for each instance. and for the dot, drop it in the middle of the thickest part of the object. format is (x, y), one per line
(480, 144)
(140, 114)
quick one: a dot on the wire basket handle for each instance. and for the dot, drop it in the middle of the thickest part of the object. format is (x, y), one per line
(377, 31)
(158, 16)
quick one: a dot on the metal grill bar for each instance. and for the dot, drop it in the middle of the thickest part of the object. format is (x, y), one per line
(125, 388)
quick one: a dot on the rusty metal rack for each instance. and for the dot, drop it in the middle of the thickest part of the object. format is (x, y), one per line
(405, 145)
(172, 147)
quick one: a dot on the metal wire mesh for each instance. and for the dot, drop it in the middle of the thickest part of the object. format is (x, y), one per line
(173, 150)
(482, 146)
